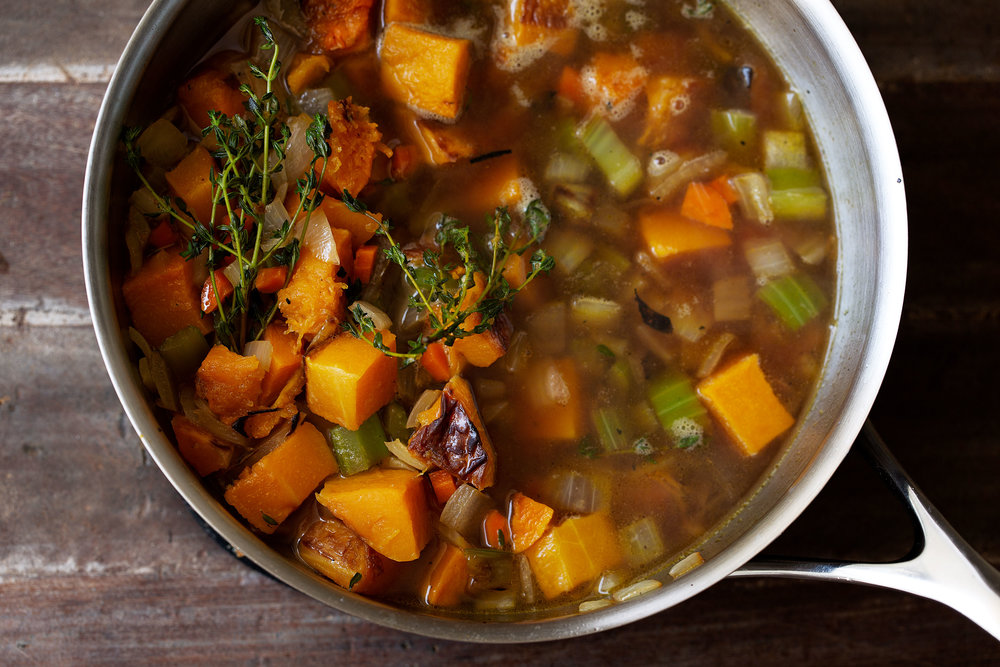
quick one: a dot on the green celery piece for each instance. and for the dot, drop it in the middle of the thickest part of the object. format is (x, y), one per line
(795, 299)
(394, 419)
(610, 430)
(622, 169)
(736, 131)
(786, 178)
(357, 451)
(620, 375)
(799, 204)
(673, 397)
(184, 351)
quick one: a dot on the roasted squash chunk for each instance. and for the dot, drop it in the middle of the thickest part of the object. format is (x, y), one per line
(333, 549)
(229, 382)
(425, 70)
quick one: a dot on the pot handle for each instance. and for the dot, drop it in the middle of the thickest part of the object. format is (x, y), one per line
(941, 566)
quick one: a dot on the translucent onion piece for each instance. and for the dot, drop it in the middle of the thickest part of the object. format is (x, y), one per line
(666, 186)
(275, 216)
(316, 100)
(144, 200)
(262, 349)
(576, 492)
(399, 450)
(518, 352)
(377, 315)
(136, 236)
(812, 248)
(690, 321)
(767, 258)
(465, 510)
(714, 355)
(731, 299)
(566, 168)
(595, 312)
(232, 273)
(426, 400)
(198, 412)
(162, 144)
(569, 250)
(159, 371)
(318, 240)
(754, 195)
(298, 155)
(594, 605)
(642, 541)
(609, 581)
(496, 600)
(663, 163)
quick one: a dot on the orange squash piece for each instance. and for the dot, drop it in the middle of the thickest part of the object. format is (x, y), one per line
(338, 25)
(405, 11)
(208, 90)
(354, 139)
(286, 359)
(742, 400)
(612, 79)
(703, 203)
(667, 233)
(345, 249)
(312, 297)
(229, 382)
(425, 70)
(529, 520)
(273, 487)
(670, 112)
(190, 181)
(386, 507)
(548, 417)
(574, 553)
(535, 21)
(348, 380)
(482, 349)
(442, 143)
(163, 298)
(361, 227)
(306, 70)
(199, 448)
(447, 577)
(337, 552)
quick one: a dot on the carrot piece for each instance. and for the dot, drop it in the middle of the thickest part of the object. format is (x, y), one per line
(354, 139)
(270, 279)
(425, 70)
(528, 521)
(209, 90)
(210, 297)
(405, 11)
(312, 297)
(229, 382)
(306, 70)
(286, 359)
(552, 407)
(364, 263)
(348, 380)
(345, 249)
(190, 180)
(443, 484)
(361, 227)
(404, 162)
(268, 491)
(570, 87)
(704, 203)
(725, 188)
(163, 235)
(338, 25)
(447, 577)
(435, 361)
(667, 233)
(496, 531)
(574, 553)
(337, 552)
(742, 400)
(386, 507)
(163, 299)
(199, 448)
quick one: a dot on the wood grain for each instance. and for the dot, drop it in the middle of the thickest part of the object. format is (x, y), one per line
(101, 562)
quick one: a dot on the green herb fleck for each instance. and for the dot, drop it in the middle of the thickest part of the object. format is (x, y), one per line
(606, 351)
(688, 441)
(355, 580)
(587, 448)
(268, 520)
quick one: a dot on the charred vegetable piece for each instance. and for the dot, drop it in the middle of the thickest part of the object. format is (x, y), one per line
(651, 318)
(336, 551)
(457, 441)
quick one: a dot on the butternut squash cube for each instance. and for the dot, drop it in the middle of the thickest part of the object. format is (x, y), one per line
(425, 70)
(199, 448)
(191, 181)
(574, 553)
(667, 233)
(286, 359)
(741, 398)
(229, 382)
(163, 298)
(306, 70)
(348, 380)
(312, 297)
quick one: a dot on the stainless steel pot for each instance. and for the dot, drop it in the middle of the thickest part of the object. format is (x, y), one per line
(812, 46)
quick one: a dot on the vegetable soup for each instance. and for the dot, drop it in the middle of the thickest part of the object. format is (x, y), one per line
(481, 306)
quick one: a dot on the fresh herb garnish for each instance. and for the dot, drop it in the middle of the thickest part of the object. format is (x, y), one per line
(268, 520)
(688, 441)
(606, 351)
(701, 9)
(251, 149)
(445, 275)
(587, 448)
(501, 540)
(355, 580)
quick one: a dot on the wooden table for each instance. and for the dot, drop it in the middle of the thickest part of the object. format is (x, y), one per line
(101, 561)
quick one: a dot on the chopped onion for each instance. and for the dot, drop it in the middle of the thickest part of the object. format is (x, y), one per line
(162, 144)
(316, 100)
(198, 412)
(144, 200)
(642, 541)
(594, 605)
(714, 355)
(663, 163)
(812, 248)
(136, 235)
(262, 349)
(611, 219)
(595, 312)
(465, 510)
(690, 321)
(609, 581)
(399, 450)
(574, 200)
(426, 400)
(754, 195)
(232, 273)
(318, 240)
(731, 299)
(158, 370)
(664, 187)
(566, 168)
(767, 258)
(569, 250)
(496, 600)
(518, 353)
(298, 155)
(275, 217)
(378, 317)
(577, 493)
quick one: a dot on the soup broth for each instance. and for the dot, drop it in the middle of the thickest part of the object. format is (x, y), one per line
(482, 306)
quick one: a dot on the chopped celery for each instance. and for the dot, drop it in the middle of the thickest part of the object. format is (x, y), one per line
(786, 178)
(569, 250)
(622, 169)
(567, 168)
(184, 351)
(785, 150)
(795, 299)
(736, 131)
(610, 430)
(394, 420)
(753, 190)
(799, 204)
(790, 109)
(673, 398)
(357, 451)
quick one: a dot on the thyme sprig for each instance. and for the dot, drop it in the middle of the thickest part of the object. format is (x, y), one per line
(251, 149)
(441, 284)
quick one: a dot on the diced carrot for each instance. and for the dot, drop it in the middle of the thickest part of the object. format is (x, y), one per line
(191, 181)
(552, 406)
(442, 143)
(494, 526)
(163, 235)
(286, 359)
(268, 491)
(163, 298)
(364, 263)
(705, 204)
(725, 188)
(515, 270)
(270, 279)
(570, 87)
(312, 297)
(306, 70)
(345, 249)
(211, 296)
(405, 11)
(435, 361)
(529, 520)
(386, 507)
(404, 162)
(612, 79)
(447, 577)
(354, 139)
(209, 90)
(336, 551)
(425, 70)
(742, 400)
(229, 382)
(443, 484)
(574, 553)
(199, 447)
(348, 380)
(667, 233)
(361, 227)
(670, 110)
(338, 25)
